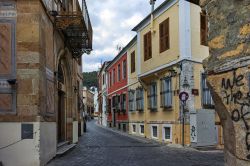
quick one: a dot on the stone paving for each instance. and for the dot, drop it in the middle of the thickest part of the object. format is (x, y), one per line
(102, 147)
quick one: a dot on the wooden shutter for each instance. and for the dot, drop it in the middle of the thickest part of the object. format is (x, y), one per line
(164, 35)
(133, 62)
(203, 28)
(147, 46)
(7, 66)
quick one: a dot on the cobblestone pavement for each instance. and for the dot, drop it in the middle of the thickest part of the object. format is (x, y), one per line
(102, 147)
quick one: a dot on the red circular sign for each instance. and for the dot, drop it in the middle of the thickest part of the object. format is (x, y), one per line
(183, 96)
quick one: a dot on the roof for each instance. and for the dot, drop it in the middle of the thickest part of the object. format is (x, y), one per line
(103, 66)
(148, 17)
(122, 52)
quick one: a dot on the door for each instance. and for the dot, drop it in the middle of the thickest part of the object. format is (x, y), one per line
(61, 117)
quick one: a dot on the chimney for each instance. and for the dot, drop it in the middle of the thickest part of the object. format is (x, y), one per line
(152, 3)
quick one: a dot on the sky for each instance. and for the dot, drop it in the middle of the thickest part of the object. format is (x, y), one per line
(112, 22)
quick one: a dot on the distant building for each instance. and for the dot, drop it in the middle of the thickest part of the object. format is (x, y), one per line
(40, 78)
(88, 101)
(102, 94)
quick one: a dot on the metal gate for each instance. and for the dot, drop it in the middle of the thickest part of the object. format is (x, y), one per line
(203, 131)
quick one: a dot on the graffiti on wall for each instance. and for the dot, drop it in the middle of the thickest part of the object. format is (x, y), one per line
(235, 94)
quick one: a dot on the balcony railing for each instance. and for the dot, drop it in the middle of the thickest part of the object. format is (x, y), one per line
(73, 19)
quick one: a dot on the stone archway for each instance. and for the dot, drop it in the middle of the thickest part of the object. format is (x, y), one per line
(63, 97)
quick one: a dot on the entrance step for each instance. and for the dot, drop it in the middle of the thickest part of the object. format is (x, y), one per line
(65, 148)
(62, 144)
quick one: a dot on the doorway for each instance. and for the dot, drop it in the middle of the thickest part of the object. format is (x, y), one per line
(61, 117)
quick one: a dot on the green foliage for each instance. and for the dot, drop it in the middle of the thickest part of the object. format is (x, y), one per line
(90, 79)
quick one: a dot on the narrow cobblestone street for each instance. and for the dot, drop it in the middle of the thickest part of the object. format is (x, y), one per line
(101, 147)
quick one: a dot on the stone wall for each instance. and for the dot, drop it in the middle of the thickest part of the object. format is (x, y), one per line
(228, 73)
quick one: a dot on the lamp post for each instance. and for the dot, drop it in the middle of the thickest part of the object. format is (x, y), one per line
(183, 97)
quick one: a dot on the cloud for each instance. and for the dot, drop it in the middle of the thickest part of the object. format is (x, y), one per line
(112, 21)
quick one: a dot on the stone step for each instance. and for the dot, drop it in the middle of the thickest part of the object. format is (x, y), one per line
(65, 148)
(62, 144)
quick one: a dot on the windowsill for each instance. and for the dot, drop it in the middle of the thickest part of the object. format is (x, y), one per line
(153, 109)
(165, 108)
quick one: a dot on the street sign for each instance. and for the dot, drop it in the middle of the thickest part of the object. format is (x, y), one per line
(183, 96)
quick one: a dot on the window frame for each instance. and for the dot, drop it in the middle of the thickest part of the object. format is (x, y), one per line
(139, 99)
(152, 97)
(209, 104)
(132, 62)
(152, 131)
(163, 132)
(166, 91)
(147, 46)
(203, 30)
(164, 36)
(131, 100)
(140, 129)
(124, 69)
(119, 72)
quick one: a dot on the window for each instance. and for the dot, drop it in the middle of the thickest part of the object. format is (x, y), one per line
(132, 62)
(152, 97)
(109, 106)
(113, 102)
(131, 100)
(139, 99)
(118, 103)
(167, 132)
(124, 127)
(141, 129)
(103, 79)
(123, 102)
(154, 131)
(207, 101)
(203, 28)
(110, 79)
(164, 35)
(166, 92)
(124, 68)
(147, 46)
(134, 128)
(113, 76)
(119, 72)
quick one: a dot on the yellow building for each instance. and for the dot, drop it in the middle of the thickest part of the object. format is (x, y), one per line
(167, 54)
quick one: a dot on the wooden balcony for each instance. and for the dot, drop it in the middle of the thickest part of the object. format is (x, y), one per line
(73, 20)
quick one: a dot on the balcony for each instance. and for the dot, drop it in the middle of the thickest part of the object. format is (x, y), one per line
(72, 19)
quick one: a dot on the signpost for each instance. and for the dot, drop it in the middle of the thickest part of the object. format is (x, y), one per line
(183, 96)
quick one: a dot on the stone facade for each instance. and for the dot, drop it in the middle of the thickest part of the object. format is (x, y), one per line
(228, 73)
(39, 84)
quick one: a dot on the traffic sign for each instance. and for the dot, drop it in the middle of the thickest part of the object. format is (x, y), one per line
(183, 96)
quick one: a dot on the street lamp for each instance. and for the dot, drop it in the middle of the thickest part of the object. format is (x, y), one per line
(185, 96)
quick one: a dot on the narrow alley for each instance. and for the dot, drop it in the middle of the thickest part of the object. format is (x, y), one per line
(103, 147)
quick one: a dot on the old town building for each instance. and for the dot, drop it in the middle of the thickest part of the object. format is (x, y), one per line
(102, 93)
(228, 73)
(41, 43)
(88, 101)
(117, 91)
(165, 60)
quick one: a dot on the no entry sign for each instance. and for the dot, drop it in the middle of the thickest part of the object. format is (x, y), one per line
(183, 96)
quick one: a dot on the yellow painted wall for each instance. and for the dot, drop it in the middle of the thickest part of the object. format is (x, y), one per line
(167, 56)
(199, 52)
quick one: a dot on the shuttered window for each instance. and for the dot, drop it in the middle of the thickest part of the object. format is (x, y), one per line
(164, 35)
(132, 62)
(166, 92)
(139, 99)
(152, 96)
(147, 46)
(131, 100)
(203, 28)
(119, 72)
(7, 66)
